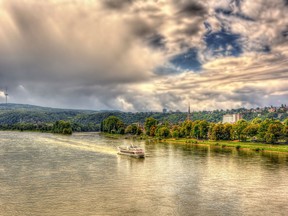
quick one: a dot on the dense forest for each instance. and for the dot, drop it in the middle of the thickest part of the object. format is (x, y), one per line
(28, 117)
(265, 131)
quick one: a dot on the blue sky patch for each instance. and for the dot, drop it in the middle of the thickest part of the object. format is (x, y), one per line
(187, 60)
(223, 43)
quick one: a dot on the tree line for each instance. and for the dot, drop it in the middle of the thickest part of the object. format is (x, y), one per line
(258, 130)
(172, 124)
(61, 127)
(13, 114)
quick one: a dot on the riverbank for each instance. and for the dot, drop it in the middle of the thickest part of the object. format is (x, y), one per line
(258, 147)
(232, 144)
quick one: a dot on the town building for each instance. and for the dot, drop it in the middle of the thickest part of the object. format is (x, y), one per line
(272, 109)
(232, 118)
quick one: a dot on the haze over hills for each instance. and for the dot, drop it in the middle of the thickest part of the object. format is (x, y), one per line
(28, 107)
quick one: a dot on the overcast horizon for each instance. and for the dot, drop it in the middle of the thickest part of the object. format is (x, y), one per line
(138, 55)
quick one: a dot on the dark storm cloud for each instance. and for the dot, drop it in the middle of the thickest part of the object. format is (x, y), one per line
(157, 41)
(117, 4)
(231, 13)
(192, 8)
(147, 33)
(145, 24)
(141, 28)
(247, 95)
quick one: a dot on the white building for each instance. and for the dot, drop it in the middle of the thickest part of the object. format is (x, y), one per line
(232, 118)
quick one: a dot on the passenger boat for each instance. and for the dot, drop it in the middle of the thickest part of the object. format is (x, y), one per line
(132, 151)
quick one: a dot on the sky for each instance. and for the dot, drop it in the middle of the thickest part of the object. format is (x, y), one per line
(144, 55)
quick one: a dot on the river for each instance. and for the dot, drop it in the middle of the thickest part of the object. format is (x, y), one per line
(48, 174)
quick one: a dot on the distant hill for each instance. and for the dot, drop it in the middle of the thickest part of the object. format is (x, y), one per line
(27, 107)
(23, 113)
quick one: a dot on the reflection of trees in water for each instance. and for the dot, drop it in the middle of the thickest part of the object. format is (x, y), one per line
(221, 149)
(265, 157)
(190, 149)
(275, 158)
(246, 153)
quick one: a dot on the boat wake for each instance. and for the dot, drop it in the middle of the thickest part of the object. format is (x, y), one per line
(83, 145)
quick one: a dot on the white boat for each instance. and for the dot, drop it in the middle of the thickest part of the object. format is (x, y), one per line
(132, 151)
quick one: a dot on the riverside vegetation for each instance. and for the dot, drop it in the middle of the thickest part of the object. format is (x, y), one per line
(255, 134)
(270, 128)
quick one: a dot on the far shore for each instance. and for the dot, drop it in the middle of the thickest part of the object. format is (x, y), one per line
(258, 147)
(239, 145)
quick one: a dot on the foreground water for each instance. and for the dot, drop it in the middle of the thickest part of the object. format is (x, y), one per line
(46, 174)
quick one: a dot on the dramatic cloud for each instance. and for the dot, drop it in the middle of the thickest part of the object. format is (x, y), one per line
(138, 55)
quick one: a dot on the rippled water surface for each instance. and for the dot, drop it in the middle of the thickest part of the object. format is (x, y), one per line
(46, 174)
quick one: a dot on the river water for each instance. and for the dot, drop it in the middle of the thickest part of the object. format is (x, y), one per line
(47, 174)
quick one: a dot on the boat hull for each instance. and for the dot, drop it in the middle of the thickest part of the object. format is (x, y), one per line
(132, 155)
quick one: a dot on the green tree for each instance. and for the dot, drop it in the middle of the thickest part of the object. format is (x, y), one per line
(217, 132)
(133, 129)
(251, 130)
(227, 131)
(262, 130)
(195, 130)
(63, 127)
(163, 132)
(210, 130)
(238, 129)
(274, 132)
(150, 126)
(204, 127)
(285, 130)
(113, 124)
(256, 120)
(175, 131)
(153, 131)
(187, 128)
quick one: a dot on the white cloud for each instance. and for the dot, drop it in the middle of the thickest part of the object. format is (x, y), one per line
(97, 55)
(2, 94)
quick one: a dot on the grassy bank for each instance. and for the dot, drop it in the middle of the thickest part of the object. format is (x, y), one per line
(224, 144)
(232, 144)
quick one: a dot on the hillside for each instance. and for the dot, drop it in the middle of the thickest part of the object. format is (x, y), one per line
(11, 114)
(24, 113)
(27, 107)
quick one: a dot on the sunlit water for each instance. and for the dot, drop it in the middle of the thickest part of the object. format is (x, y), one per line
(46, 174)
